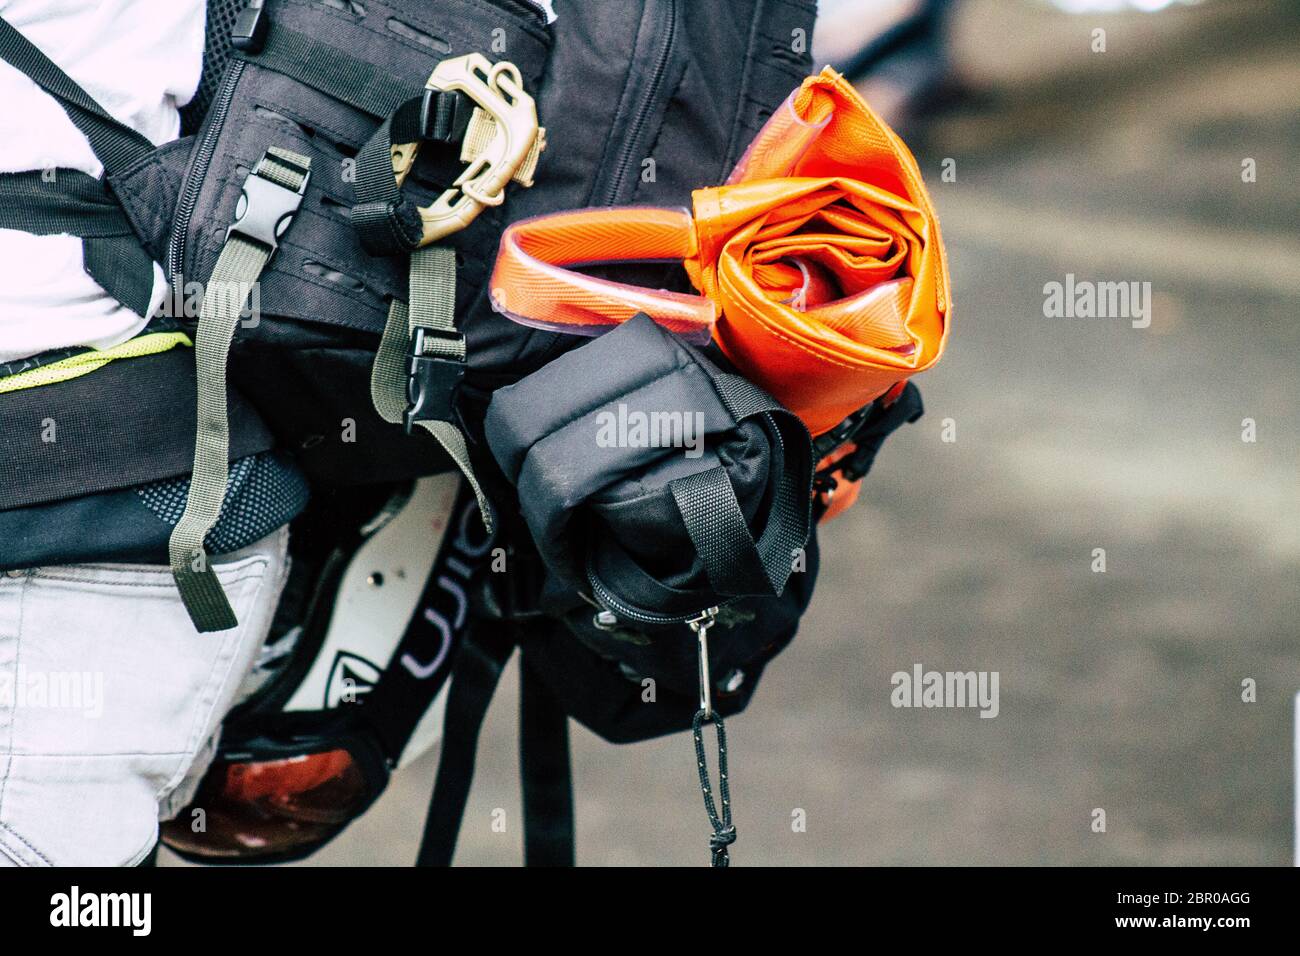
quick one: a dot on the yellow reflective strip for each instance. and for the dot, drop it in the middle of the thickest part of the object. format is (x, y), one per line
(78, 365)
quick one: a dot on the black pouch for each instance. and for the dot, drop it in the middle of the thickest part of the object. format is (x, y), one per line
(653, 480)
(641, 526)
(601, 674)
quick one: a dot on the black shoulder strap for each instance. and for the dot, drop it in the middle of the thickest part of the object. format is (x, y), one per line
(221, 17)
(479, 663)
(544, 767)
(53, 201)
(543, 753)
(115, 144)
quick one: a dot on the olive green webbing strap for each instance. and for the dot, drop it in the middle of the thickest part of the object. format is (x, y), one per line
(238, 266)
(432, 307)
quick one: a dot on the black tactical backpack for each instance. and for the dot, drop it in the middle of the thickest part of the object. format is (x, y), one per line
(285, 160)
(642, 100)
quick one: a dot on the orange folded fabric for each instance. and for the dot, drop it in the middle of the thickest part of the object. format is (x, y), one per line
(820, 264)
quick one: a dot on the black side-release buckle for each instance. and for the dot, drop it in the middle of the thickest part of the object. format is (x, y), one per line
(867, 428)
(265, 207)
(827, 442)
(248, 35)
(432, 381)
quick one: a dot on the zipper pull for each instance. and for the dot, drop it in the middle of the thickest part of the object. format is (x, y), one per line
(700, 624)
(724, 832)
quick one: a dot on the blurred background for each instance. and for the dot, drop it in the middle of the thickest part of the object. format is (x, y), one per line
(1119, 690)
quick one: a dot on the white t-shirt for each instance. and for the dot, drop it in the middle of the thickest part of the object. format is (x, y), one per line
(140, 60)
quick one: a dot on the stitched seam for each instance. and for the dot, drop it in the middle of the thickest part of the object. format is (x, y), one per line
(18, 648)
(19, 837)
(746, 80)
(653, 145)
(623, 97)
(157, 222)
(7, 853)
(129, 584)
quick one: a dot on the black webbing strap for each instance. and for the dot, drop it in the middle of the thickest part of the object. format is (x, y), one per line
(386, 223)
(325, 67)
(115, 144)
(735, 563)
(479, 663)
(67, 201)
(545, 769)
(543, 753)
(421, 663)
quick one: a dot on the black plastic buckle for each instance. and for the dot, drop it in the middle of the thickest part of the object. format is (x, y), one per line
(871, 429)
(248, 35)
(432, 381)
(444, 115)
(265, 207)
(827, 442)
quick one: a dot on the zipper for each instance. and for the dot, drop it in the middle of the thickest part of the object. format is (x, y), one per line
(667, 27)
(621, 610)
(198, 170)
(539, 12)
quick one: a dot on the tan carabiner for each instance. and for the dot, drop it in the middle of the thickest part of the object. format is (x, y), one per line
(511, 133)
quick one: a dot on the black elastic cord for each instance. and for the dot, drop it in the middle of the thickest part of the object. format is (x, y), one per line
(116, 145)
(724, 832)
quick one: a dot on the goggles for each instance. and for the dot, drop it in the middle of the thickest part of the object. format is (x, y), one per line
(315, 747)
(279, 796)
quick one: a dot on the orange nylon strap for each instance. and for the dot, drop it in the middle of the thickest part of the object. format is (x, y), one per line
(534, 282)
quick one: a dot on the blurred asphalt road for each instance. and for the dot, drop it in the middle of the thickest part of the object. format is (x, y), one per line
(1120, 690)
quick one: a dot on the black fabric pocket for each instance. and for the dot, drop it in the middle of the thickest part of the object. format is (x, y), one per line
(651, 477)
